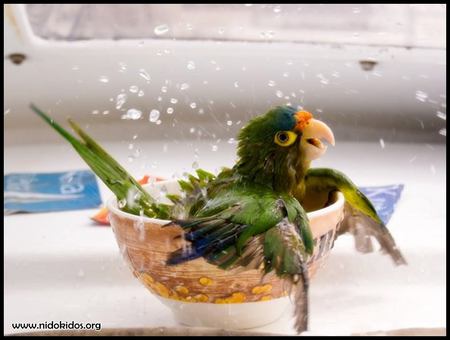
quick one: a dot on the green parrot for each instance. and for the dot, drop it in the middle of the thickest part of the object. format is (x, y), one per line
(251, 215)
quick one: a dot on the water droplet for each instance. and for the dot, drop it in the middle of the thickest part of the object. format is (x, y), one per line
(214, 147)
(169, 110)
(195, 165)
(382, 143)
(279, 94)
(120, 100)
(105, 112)
(173, 100)
(184, 86)
(7, 111)
(277, 9)
(229, 122)
(159, 98)
(191, 65)
(421, 96)
(201, 111)
(153, 116)
(285, 74)
(356, 10)
(132, 114)
(140, 93)
(122, 67)
(135, 137)
(441, 115)
(231, 141)
(164, 89)
(158, 122)
(192, 130)
(143, 73)
(236, 84)
(161, 29)
(133, 89)
(193, 105)
(221, 30)
(271, 83)
(443, 132)
(248, 5)
(103, 79)
(189, 27)
(130, 146)
(122, 203)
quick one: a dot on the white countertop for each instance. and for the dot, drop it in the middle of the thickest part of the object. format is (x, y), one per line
(60, 266)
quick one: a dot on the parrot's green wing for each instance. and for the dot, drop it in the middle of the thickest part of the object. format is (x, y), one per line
(360, 217)
(276, 238)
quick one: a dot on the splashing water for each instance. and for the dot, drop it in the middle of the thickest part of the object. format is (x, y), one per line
(443, 132)
(161, 29)
(153, 116)
(279, 94)
(140, 93)
(173, 100)
(143, 73)
(133, 89)
(193, 105)
(120, 100)
(190, 65)
(169, 110)
(441, 115)
(132, 114)
(103, 79)
(184, 86)
(229, 122)
(271, 83)
(421, 96)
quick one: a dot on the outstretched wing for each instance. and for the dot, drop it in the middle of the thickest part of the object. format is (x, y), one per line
(360, 217)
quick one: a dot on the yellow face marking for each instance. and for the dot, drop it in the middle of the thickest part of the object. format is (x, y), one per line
(285, 138)
(205, 281)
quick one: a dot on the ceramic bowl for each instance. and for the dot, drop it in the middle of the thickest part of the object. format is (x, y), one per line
(200, 294)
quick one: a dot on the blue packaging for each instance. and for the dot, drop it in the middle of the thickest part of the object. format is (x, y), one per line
(45, 192)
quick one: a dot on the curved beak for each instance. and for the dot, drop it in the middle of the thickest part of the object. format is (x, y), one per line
(316, 129)
(313, 132)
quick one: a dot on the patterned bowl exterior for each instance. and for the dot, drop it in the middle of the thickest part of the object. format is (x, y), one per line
(145, 245)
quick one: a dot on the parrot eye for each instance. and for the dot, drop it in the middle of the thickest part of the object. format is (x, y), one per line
(285, 138)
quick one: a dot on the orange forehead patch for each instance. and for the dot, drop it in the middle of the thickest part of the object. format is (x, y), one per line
(303, 118)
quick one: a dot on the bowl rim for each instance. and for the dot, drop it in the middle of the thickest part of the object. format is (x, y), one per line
(111, 205)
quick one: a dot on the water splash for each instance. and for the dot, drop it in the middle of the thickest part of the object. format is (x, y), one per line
(279, 94)
(441, 115)
(271, 83)
(120, 100)
(169, 110)
(153, 116)
(443, 132)
(103, 79)
(133, 89)
(161, 29)
(229, 122)
(421, 96)
(190, 65)
(173, 100)
(141, 93)
(132, 114)
(144, 74)
(184, 86)
(193, 105)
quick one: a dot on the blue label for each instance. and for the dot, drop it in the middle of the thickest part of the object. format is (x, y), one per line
(384, 199)
(44, 192)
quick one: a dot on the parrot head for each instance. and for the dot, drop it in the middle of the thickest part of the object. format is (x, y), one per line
(279, 145)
